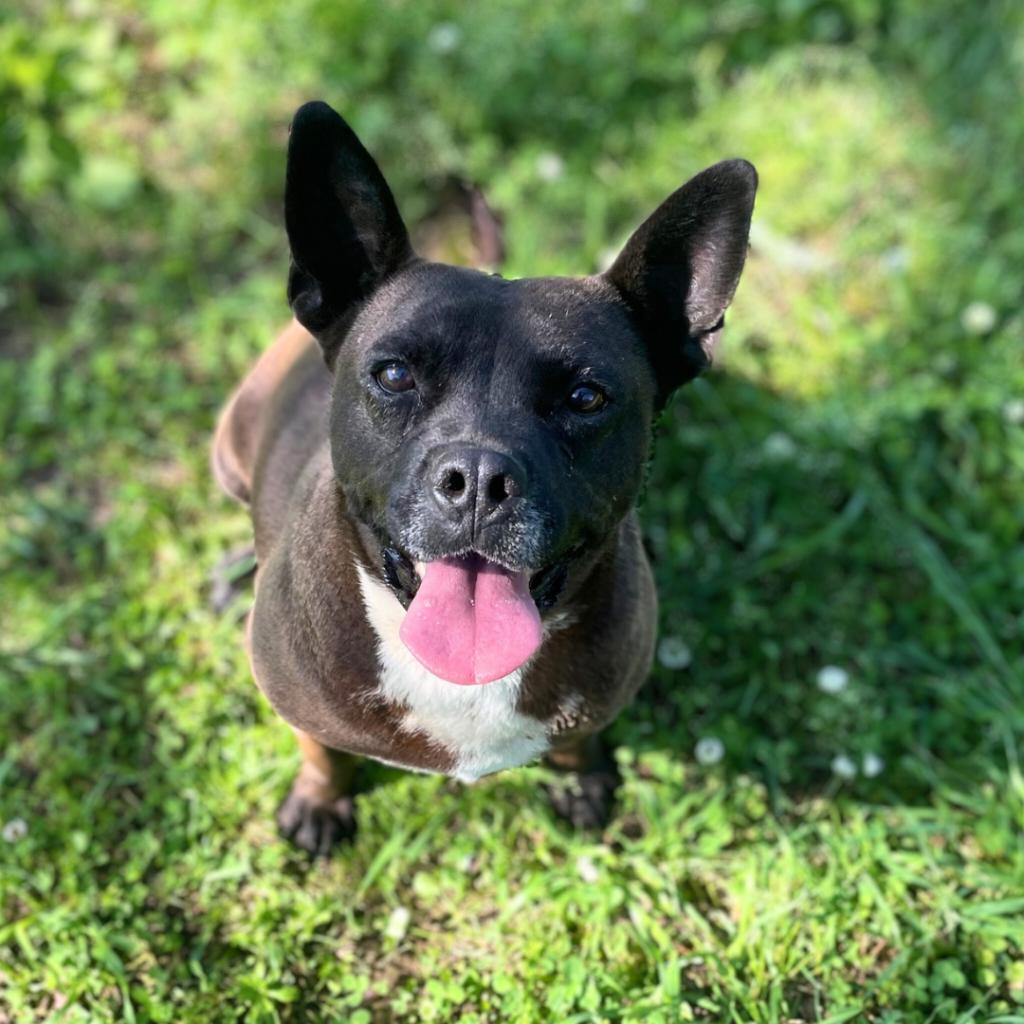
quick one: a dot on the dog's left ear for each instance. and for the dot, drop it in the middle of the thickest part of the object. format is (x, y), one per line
(679, 270)
(345, 232)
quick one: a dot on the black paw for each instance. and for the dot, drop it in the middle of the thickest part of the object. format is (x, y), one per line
(314, 826)
(586, 800)
(231, 576)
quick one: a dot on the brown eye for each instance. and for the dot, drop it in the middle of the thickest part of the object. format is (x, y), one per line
(395, 378)
(587, 398)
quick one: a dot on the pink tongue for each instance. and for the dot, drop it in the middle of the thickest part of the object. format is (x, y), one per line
(471, 621)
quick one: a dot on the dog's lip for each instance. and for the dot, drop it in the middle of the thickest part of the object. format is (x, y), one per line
(420, 564)
(538, 576)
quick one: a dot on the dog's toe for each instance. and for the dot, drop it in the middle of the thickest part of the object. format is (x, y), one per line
(586, 801)
(314, 826)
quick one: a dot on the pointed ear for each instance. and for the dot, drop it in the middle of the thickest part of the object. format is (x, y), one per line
(344, 229)
(680, 269)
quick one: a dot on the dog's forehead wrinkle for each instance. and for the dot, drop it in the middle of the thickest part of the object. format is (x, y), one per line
(429, 292)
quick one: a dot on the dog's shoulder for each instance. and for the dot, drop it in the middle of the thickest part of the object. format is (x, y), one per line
(236, 439)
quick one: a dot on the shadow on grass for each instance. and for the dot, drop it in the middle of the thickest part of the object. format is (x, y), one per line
(783, 547)
(879, 539)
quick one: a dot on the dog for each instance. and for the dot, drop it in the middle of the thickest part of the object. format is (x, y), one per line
(442, 467)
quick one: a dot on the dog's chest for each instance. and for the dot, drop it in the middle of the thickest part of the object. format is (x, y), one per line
(478, 726)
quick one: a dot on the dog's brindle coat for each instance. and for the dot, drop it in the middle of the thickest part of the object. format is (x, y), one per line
(340, 474)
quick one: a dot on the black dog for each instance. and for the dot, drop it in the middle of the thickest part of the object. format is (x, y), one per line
(451, 576)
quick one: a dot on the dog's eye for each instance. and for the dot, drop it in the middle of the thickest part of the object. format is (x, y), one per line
(395, 378)
(587, 398)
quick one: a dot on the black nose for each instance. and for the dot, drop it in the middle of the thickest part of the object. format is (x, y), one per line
(476, 482)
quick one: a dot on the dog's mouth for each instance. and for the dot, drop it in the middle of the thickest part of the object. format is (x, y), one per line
(471, 620)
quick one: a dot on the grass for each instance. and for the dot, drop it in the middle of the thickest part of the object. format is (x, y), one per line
(846, 492)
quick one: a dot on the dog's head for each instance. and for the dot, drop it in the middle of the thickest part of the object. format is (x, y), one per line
(493, 429)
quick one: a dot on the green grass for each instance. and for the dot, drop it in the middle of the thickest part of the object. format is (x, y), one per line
(847, 491)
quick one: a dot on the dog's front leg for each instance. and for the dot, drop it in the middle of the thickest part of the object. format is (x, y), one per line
(319, 811)
(587, 797)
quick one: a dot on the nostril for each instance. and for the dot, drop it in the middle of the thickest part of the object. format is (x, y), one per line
(453, 484)
(501, 487)
(497, 489)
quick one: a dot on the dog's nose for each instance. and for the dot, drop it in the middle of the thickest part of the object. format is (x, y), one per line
(476, 482)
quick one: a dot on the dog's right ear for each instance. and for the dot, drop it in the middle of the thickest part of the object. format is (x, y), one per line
(679, 270)
(344, 228)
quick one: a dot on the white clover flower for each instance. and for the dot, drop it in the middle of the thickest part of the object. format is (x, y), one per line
(14, 830)
(398, 923)
(833, 679)
(844, 766)
(587, 869)
(896, 259)
(550, 167)
(444, 37)
(872, 766)
(674, 653)
(1013, 411)
(709, 750)
(779, 446)
(978, 318)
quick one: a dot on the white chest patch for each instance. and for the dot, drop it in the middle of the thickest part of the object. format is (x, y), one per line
(479, 725)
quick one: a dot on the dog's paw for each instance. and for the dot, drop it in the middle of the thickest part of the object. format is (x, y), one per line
(586, 799)
(315, 826)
